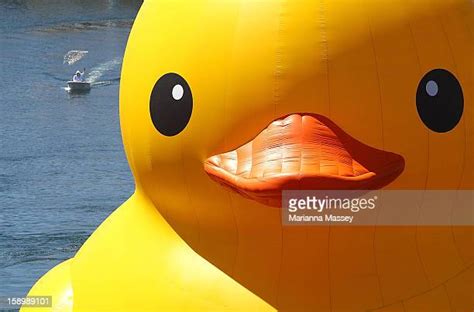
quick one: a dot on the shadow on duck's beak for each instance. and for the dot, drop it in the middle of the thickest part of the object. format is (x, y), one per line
(303, 152)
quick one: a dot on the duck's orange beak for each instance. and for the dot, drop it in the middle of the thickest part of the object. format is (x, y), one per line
(302, 151)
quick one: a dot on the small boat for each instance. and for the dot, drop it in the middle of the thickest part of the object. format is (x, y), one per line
(78, 86)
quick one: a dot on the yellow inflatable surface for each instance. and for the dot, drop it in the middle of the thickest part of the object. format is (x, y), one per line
(242, 93)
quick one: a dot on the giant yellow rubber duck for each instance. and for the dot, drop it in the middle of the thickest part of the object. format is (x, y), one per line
(223, 104)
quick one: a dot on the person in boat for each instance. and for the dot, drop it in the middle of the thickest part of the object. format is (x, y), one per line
(79, 76)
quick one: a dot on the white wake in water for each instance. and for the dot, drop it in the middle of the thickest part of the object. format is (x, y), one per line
(73, 56)
(101, 69)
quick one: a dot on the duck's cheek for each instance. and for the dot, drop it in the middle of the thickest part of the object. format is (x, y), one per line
(302, 151)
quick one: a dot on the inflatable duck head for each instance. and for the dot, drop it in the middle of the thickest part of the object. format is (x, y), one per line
(224, 105)
(263, 96)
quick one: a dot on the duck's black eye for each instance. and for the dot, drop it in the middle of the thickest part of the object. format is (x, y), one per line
(171, 104)
(439, 100)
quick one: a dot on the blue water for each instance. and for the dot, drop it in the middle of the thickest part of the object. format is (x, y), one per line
(62, 165)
